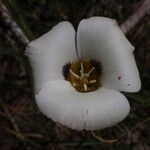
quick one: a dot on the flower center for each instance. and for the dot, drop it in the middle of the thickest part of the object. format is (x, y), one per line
(84, 75)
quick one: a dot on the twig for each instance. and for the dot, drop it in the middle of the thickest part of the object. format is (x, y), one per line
(2, 104)
(141, 123)
(35, 135)
(138, 126)
(103, 140)
(24, 139)
(12, 24)
(130, 23)
(25, 135)
(9, 116)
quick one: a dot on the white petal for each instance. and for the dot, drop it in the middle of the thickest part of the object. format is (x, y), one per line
(101, 38)
(50, 52)
(102, 108)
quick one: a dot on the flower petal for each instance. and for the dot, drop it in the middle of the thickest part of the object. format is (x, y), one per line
(100, 38)
(59, 101)
(50, 52)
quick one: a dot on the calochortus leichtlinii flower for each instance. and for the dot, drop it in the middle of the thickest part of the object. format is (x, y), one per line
(78, 76)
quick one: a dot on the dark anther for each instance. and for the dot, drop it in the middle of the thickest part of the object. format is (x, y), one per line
(97, 66)
(65, 70)
(119, 77)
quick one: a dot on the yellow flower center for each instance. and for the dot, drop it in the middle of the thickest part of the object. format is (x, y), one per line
(84, 75)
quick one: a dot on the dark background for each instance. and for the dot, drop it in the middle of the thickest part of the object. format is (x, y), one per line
(22, 126)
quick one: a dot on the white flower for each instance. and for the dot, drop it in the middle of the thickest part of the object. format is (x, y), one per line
(79, 102)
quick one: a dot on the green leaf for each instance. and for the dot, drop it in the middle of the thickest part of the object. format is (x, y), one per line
(18, 17)
(140, 99)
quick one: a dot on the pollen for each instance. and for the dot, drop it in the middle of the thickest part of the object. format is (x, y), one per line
(84, 75)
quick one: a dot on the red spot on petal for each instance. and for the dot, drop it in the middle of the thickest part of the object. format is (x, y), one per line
(119, 77)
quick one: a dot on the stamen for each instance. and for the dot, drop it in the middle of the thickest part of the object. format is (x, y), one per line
(82, 69)
(92, 81)
(90, 71)
(85, 87)
(74, 74)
